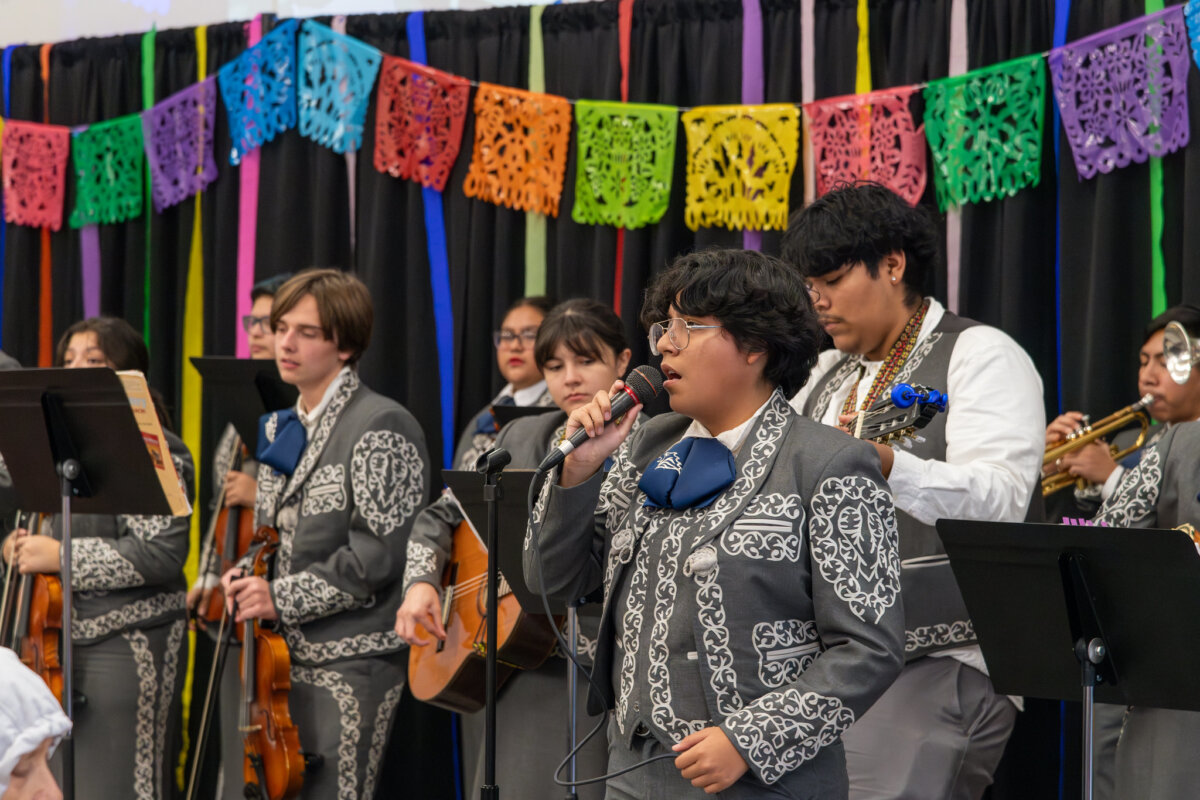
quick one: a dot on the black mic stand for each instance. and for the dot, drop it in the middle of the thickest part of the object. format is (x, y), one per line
(490, 465)
(572, 683)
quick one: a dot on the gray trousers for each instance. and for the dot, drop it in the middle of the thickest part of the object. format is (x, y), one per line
(126, 733)
(1156, 757)
(1106, 728)
(233, 751)
(821, 778)
(936, 734)
(531, 736)
(344, 712)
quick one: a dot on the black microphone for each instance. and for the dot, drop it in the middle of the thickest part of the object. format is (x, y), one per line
(642, 386)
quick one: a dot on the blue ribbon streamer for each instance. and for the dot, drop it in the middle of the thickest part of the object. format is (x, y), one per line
(443, 317)
(439, 269)
(8, 51)
(1062, 11)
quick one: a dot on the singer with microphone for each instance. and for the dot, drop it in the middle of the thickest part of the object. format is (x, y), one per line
(580, 349)
(748, 556)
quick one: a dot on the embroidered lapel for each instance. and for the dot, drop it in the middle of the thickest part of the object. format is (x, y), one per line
(320, 438)
(836, 378)
(754, 463)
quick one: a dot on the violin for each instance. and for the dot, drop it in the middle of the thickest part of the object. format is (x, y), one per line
(31, 617)
(231, 531)
(274, 766)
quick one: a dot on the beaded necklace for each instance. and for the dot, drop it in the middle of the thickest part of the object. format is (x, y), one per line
(896, 357)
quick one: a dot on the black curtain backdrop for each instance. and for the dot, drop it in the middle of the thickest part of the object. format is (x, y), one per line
(685, 53)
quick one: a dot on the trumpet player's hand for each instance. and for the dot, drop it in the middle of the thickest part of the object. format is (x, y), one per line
(1062, 426)
(1093, 462)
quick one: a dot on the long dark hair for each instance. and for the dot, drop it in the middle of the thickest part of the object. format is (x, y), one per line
(123, 347)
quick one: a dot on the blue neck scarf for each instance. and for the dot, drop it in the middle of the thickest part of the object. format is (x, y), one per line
(689, 475)
(487, 421)
(283, 449)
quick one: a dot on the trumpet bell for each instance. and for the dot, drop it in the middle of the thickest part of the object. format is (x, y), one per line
(1179, 352)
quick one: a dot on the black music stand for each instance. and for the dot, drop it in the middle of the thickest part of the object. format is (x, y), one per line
(243, 389)
(71, 444)
(1113, 612)
(514, 516)
(506, 414)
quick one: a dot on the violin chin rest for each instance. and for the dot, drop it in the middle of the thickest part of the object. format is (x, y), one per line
(312, 761)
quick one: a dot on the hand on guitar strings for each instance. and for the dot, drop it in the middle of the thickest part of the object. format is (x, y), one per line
(421, 607)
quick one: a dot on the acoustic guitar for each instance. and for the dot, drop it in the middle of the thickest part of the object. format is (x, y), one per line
(450, 674)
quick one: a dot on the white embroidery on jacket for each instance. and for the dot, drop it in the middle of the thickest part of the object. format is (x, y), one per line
(853, 539)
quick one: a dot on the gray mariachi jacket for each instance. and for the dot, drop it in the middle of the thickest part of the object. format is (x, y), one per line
(127, 570)
(472, 445)
(343, 519)
(783, 595)
(527, 440)
(1161, 491)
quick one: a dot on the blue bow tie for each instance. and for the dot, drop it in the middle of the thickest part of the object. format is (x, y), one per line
(281, 440)
(487, 421)
(689, 475)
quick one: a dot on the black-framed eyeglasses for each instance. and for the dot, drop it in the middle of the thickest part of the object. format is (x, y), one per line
(250, 322)
(509, 338)
(678, 330)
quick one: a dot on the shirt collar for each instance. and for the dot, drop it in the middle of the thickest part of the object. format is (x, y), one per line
(733, 438)
(309, 419)
(933, 318)
(523, 397)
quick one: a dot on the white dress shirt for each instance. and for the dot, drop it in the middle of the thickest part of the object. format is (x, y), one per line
(523, 397)
(995, 435)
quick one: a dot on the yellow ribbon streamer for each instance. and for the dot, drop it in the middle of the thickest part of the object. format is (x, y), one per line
(190, 403)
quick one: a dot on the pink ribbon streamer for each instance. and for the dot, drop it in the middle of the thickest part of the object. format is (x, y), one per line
(752, 81)
(247, 222)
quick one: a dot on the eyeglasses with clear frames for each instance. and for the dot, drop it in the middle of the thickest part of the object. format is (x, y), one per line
(509, 338)
(250, 322)
(678, 330)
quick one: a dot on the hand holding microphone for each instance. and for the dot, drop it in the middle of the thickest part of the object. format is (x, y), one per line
(590, 439)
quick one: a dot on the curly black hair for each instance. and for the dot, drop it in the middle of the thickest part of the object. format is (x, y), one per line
(760, 300)
(863, 221)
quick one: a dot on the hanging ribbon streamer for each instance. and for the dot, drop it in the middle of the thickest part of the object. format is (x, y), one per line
(45, 307)
(624, 34)
(247, 214)
(1158, 271)
(752, 82)
(439, 270)
(193, 315)
(958, 66)
(6, 76)
(808, 90)
(89, 257)
(148, 43)
(535, 223)
(339, 26)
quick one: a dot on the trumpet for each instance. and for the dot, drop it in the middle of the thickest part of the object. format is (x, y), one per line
(1134, 414)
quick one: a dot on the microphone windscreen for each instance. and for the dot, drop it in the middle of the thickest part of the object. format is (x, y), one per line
(645, 382)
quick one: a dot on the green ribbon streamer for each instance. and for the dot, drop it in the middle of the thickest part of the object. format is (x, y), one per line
(535, 224)
(1158, 272)
(147, 102)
